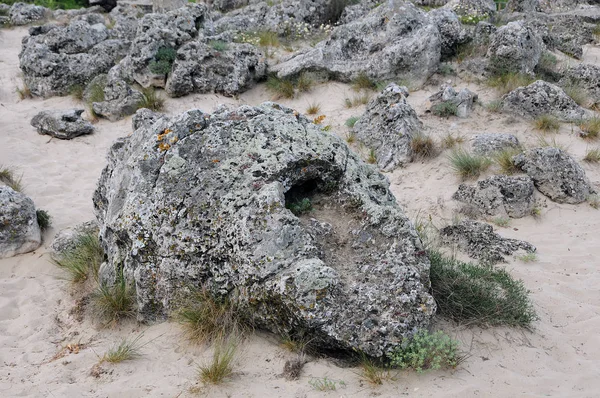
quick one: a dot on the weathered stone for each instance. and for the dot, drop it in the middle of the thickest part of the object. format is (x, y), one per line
(584, 76)
(522, 6)
(499, 196)
(543, 98)
(476, 8)
(464, 100)
(62, 124)
(480, 241)
(125, 18)
(68, 238)
(489, 143)
(451, 30)
(23, 14)
(387, 127)
(120, 99)
(107, 5)
(77, 37)
(201, 68)
(201, 200)
(19, 229)
(394, 41)
(515, 47)
(144, 118)
(555, 174)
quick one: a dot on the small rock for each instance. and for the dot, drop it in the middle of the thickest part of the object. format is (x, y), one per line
(488, 144)
(62, 124)
(19, 229)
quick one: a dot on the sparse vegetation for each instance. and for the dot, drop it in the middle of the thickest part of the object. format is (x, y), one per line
(124, 351)
(373, 373)
(76, 91)
(494, 106)
(478, 294)
(363, 82)
(83, 260)
(7, 176)
(218, 45)
(468, 165)
(152, 99)
(578, 94)
(528, 257)
(450, 141)
(590, 128)
(351, 121)
(53, 4)
(427, 351)
(536, 211)
(221, 365)
(163, 61)
(305, 82)
(469, 50)
(592, 155)
(300, 207)
(95, 92)
(501, 221)
(357, 100)
(351, 137)
(268, 39)
(594, 201)
(503, 159)
(44, 219)
(505, 82)
(372, 159)
(110, 304)
(281, 88)
(23, 92)
(313, 108)
(445, 109)
(446, 69)
(423, 146)
(325, 384)
(543, 142)
(546, 123)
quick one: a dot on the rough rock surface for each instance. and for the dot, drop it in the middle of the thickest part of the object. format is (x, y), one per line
(387, 127)
(499, 196)
(585, 76)
(201, 199)
(144, 118)
(515, 47)
(201, 68)
(479, 8)
(464, 99)
(480, 241)
(543, 98)
(451, 30)
(523, 5)
(555, 174)
(489, 143)
(120, 99)
(394, 41)
(19, 229)
(68, 238)
(62, 124)
(23, 14)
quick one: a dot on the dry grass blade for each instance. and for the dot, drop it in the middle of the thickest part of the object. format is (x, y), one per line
(7, 176)
(110, 304)
(83, 260)
(124, 351)
(221, 365)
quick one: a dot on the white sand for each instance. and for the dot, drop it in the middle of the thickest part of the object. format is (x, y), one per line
(559, 357)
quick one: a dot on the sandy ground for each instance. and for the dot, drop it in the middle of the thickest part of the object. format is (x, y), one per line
(559, 357)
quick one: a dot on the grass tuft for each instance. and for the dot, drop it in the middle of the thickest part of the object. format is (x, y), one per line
(546, 123)
(126, 350)
(372, 159)
(363, 82)
(578, 94)
(76, 91)
(268, 39)
(152, 100)
(351, 137)
(427, 351)
(590, 128)
(221, 366)
(357, 100)
(373, 373)
(83, 260)
(281, 88)
(501, 221)
(503, 159)
(44, 219)
(445, 109)
(450, 141)
(7, 176)
(592, 156)
(504, 83)
(313, 108)
(475, 294)
(325, 384)
(528, 257)
(594, 201)
(305, 82)
(351, 121)
(494, 106)
(23, 92)
(468, 165)
(423, 146)
(110, 304)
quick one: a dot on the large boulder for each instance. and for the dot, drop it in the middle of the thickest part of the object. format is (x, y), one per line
(62, 124)
(555, 174)
(480, 241)
(499, 196)
(23, 14)
(227, 68)
(19, 229)
(464, 100)
(584, 76)
(77, 37)
(515, 47)
(451, 30)
(203, 200)
(396, 40)
(119, 100)
(387, 127)
(543, 98)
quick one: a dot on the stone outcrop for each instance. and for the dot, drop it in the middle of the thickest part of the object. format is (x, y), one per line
(515, 47)
(19, 229)
(464, 100)
(555, 174)
(213, 200)
(119, 99)
(584, 76)
(62, 124)
(23, 13)
(387, 127)
(489, 143)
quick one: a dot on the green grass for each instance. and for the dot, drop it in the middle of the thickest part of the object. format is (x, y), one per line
(501, 221)
(363, 82)
(313, 108)
(592, 155)
(126, 350)
(221, 366)
(299, 207)
(578, 94)
(373, 373)
(504, 161)
(8, 177)
(478, 294)
(110, 304)
(351, 121)
(423, 146)
(305, 82)
(268, 39)
(76, 91)
(83, 260)
(427, 351)
(152, 99)
(590, 128)
(218, 45)
(546, 123)
(281, 88)
(528, 257)
(468, 165)
(445, 109)
(325, 384)
(205, 317)
(52, 4)
(44, 219)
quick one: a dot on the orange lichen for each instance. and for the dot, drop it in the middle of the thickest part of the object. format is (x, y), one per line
(319, 119)
(163, 146)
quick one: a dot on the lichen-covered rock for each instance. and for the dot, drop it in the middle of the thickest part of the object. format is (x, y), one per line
(144, 118)
(451, 30)
(515, 47)
(555, 174)
(23, 14)
(499, 196)
(68, 238)
(77, 37)
(394, 41)
(476, 8)
(543, 98)
(584, 76)
(489, 143)
(19, 229)
(387, 127)
(201, 199)
(199, 67)
(480, 241)
(464, 100)
(120, 99)
(523, 5)
(125, 19)
(62, 124)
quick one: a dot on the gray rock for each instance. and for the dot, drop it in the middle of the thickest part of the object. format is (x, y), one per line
(77, 37)
(543, 98)
(464, 99)
(584, 76)
(499, 196)
(388, 125)
(68, 238)
(200, 199)
(480, 241)
(144, 118)
(394, 41)
(125, 18)
(480, 8)
(515, 47)
(19, 229)
(451, 30)
(162, 6)
(489, 143)
(200, 68)
(62, 124)
(23, 14)
(107, 5)
(120, 99)
(523, 6)
(555, 174)
(228, 5)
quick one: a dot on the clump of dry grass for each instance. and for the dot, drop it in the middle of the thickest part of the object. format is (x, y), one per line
(504, 83)
(313, 108)
(221, 366)
(112, 303)
(590, 128)
(504, 160)
(423, 146)
(357, 100)
(592, 156)
(546, 123)
(450, 141)
(8, 177)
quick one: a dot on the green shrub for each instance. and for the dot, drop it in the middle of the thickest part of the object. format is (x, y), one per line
(300, 207)
(110, 304)
(427, 351)
(163, 61)
(218, 45)
(445, 109)
(83, 260)
(44, 219)
(467, 165)
(479, 295)
(351, 121)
